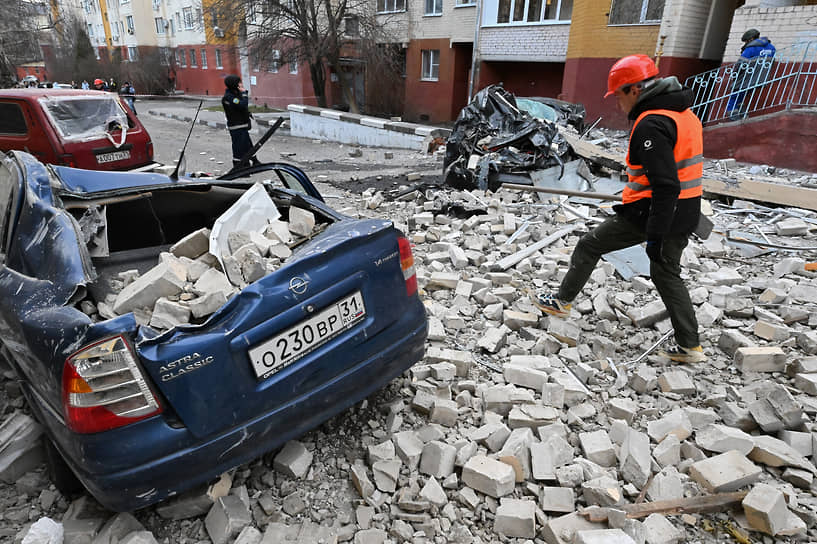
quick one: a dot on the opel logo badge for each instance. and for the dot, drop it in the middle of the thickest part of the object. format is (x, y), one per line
(298, 285)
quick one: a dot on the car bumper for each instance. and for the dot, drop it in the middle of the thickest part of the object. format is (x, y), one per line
(190, 464)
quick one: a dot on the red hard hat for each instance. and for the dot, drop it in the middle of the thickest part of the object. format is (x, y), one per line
(628, 70)
(98, 82)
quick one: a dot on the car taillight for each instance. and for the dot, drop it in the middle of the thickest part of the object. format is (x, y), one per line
(103, 388)
(150, 150)
(407, 264)
(67, 159)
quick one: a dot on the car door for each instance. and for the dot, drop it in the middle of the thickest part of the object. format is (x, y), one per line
(21, 128)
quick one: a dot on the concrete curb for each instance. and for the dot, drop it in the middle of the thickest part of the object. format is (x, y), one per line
(262, 122)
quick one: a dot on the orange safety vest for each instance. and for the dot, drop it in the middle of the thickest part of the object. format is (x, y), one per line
(689, 159)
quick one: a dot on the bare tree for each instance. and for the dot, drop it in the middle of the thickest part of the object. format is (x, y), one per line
(329, 36)
(21, 24)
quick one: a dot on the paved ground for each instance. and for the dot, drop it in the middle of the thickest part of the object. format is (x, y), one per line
(209, 150)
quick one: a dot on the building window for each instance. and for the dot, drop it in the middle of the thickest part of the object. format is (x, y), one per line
(431, 65)
(387, 6)
(634, 12)
(188, 18)
(533, 11)
(157, 4)
(193, 60)
(90, 31)
(218, 59)
(466, 2)
(129, 23)
(182, 57)
(133, 53)
(172, 27)
(434, 7)
(160, 25)
(293, 64)
(276, 61)
(164, 56)
(204, 58)
(178, 21)
(252, 13)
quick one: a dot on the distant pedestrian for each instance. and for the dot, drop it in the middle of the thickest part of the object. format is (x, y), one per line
(100, 85)
(85, 85)
(749, 71)
(112, 85)
(129, 94)
(236, 104)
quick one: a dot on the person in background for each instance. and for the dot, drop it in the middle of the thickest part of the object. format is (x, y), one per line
(112, 85)
(129, 94)
(85, 85)
(100, 85)
(661, 203)
(750, 70)
(236, 104)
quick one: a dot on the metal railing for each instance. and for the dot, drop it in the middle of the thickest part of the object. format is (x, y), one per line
(763, 85)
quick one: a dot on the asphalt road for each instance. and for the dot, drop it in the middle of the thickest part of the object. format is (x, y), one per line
(331, 163)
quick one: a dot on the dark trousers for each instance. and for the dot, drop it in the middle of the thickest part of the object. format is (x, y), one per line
(619, 233)
(241, 143)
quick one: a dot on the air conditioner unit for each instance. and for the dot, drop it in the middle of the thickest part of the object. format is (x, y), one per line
(217, 32)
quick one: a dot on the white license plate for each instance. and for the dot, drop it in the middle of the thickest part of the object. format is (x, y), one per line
(113, 156)
(292, 344)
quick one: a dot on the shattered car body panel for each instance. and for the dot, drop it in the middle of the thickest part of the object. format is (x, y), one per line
(212, 410)
(492, 136)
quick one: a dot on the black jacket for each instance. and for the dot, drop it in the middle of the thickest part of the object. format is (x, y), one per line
(651, 145)
(236, 108)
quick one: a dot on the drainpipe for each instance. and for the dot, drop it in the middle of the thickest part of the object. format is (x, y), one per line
(475, 53)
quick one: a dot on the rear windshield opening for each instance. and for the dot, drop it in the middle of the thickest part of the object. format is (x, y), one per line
(86, 117)
(129, 236)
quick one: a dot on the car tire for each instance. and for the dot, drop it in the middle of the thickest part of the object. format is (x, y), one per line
(60, 473)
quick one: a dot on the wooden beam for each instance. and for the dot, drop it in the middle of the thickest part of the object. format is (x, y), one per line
(777, 193)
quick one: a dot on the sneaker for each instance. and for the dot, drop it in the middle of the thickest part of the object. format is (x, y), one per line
(549, 304)
(684, 355)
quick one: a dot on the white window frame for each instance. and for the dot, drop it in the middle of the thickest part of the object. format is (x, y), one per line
(172, 27)
(642, 20)
(219, 61)
(391, 6)
(160, 25)
(129, 23)
(91, 31)
(464, 3)
(203, 59)
(187, 18)
(436, 8)
(556, 20)
(428, 65)
(133, 53)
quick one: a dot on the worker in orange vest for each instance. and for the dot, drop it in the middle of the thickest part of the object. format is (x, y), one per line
(661, 202)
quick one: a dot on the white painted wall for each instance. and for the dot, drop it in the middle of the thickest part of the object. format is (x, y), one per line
(535, 43)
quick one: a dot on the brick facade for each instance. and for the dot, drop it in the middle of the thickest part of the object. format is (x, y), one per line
(784, 26)
(591, 37)
(534, 43)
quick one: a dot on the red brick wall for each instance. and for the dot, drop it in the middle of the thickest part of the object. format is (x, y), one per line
(429, 101)
(524, 78)
(210, 80)
(281, 89)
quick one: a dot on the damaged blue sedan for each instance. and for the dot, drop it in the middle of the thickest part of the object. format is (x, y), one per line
(163, 334)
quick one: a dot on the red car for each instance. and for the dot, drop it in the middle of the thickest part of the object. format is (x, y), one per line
(93, 130)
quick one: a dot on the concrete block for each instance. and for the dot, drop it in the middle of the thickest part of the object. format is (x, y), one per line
(21, 449)
(602, 491)
(675, 422)
(444, 412)
(786, 407)
(722, 438)
(760, 359)
(563, 530)
(557, 499)
(666, 485)
(598, 448)
(517, 446)
(765, 416)
(807, 383)
(635, 458)
(564, 331)
(228, 516)
(736, 416)
(728, 471)
(117, 527)
(386, 474)
(491, 435)
(368, 536)
(516, 320)
(800, 441)
(488, 476)
(730, 340)
(773, 332)
(648, 315)
(408, 447)
(676, 381)
(434, 493)
(603, 536)
(437, 459)
(461, 359)
(765, 509)
(211, 281)
(167, 314)
(293, 460)
(278, 230)
(622, 408)
(194, 244)
(807, 341)
(668, 451)
(532, 416)
(162, 280)
(516, 518)
(207, 304)
(525, 376)
(659, 530)
(776, 453)
(360, 479)
(301, 222)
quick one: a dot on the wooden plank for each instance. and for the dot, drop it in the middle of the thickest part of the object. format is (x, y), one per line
(594, 153)
(776, 193)
(702, 503)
